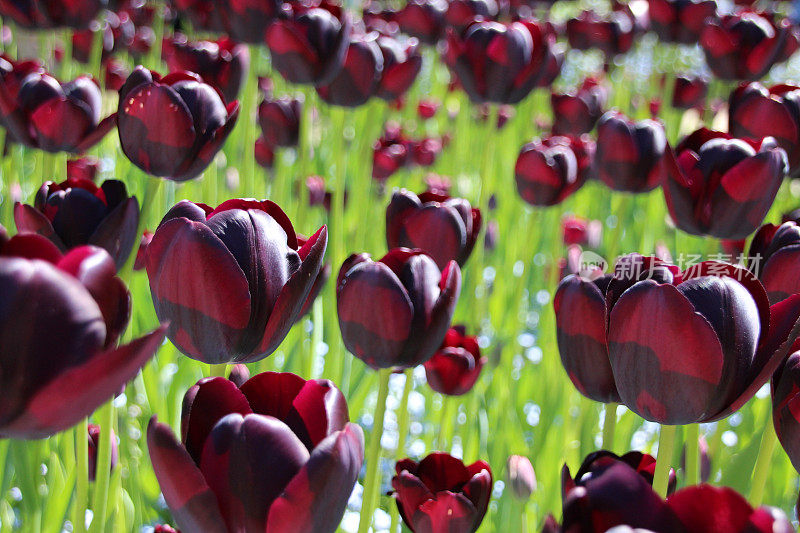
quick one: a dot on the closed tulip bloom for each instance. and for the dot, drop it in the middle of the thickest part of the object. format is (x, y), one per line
(577, 112)
(745, 46)
(501, 63)
(223, 63)
(461, 13)
(521, 477)
(611, 34)
(358, 79)
(276, 453)
(445, 228)
(264, 153)
(12, 75)
(401, 64)
(41, 112)
(93, 438)
(775, 258)
(785, 388)
(456, 366)
(40, 14)
(630, 156)
(551, 169)
(252, 273)
(395, 312)
(83, 168)
(61, 317)
(390, 153)
(280, 120)
(310, 45)
(173, 126)
(441, 494)
(77, 212)
(680, 21)
(423, 19)
(756, 111)
(246, 20)
(690, 92)
(723, 186)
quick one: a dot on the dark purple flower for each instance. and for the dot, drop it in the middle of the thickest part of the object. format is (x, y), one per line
(223, 63)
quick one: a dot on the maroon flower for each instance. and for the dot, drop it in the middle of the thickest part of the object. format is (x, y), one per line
(277, 453)
(423, 19)
(141, 253)
(201, 13)
(745, 45)
(577, 113)
(775, 258)
(551, 169)
(246, 20)
(611, 34)
(441, 494)
(94, 444)
(83, 168)
(390, 153)
(395, 312)
(77, 212)
(223, 63)
(173, 126)
(456, 366)
(786, 406)
(401, 64)
(115, 74)
(462, 13)
(41, 14)
(427, 108)
(280, 120)
(690, 92)
(443, 227)
(680, 21)
(723, 186)
(310, 45)
(61, 317)
(264, 153)
(757, 112)
(502, 63)
(230, 280)
(576, 230)
(41, 112)
(630, 156)
(357, 81)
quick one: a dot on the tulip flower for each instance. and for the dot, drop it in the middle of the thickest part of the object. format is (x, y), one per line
(423, 19)
(630, 156)
(310, 45)
(550, 170)
(502, 63)
(83, 168)
(77, 212)
(201, 13)
(757, 112)
(427, 108)
(254, 275)
(357, 81)
(395, 312)
(745, 45)
(39, 14)
(576, 230)
(445, 228)
(277, 453)
(401, 64)
(456, 366)
(61, 317)
(723, 186)
(690, 92)
(94, 445)
(785, 413)
(612, 34)
(246, 21)
(264, 153)
(578, 112)
(521, 477)
(461, 13)
(222, 64)
(141, 252)
(280, 120)
(440, 493)
(775, 258)
(680, 21)
(41, 112)
(173, 126)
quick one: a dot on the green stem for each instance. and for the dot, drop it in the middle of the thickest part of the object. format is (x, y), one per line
(100, 503)
(220, 370)
(761, 468)
(316, 336)
(609, 426)
(373, 457)
(443, 436)
(692, 454)
(403, 421)
(82, 476)
(666, 444)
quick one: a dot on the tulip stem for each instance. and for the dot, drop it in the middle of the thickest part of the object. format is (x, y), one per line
(761, 468)
(373, 457)
(609, 426)
(218, 370)
(666, 444)
(402, 432)
(443, 436)
(692, 434)
(81, 477)
(102, 469)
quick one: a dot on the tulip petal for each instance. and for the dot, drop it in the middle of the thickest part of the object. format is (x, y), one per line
(779, 274)
(117, 232)
(707, 508)
(444, 513)
(410, 493)
(61, 124)
(97, 133)
(30, 220)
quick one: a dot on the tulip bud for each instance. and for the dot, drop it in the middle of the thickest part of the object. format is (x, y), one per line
(83, 168)
(280, 120)
(690, 92)
(423, 19)
(456, 366)
(94, 446)
(401, 64)
(549, 170)
(357, 81)
(612, 34)
(577, 113)
(521, 477)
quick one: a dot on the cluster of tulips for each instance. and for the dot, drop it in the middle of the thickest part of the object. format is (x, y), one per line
(277, 452)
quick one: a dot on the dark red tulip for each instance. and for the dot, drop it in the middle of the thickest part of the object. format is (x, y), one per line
(551, 169)
(580, 231)
(115, 74)
(395, 312)
(786, 406)
(423, 19)
(246, 20)
(77, 212)
(41, 14)
(745, 46)
(141, 253)
(239, 375)
(164, 528)
(445, 228)
(357, 81)
(254, 273)
(756, 111)
(401, 64)
(277, 453)
(41, 112)
(577, 112)
(264, 153)
(223, 63)
(723, 186)
(201, 13)
(680, 21)
(83, 168)
(630, 156)
(309, 46)
(280, 120)
(456, 366)
(775, 258)
(61, 317)
(390, 153)
(611, 34)
(94, 444)
(501, 63)
(689, 92)
(441, 493)
(462, 13)
(173, 126)
(427, 108)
